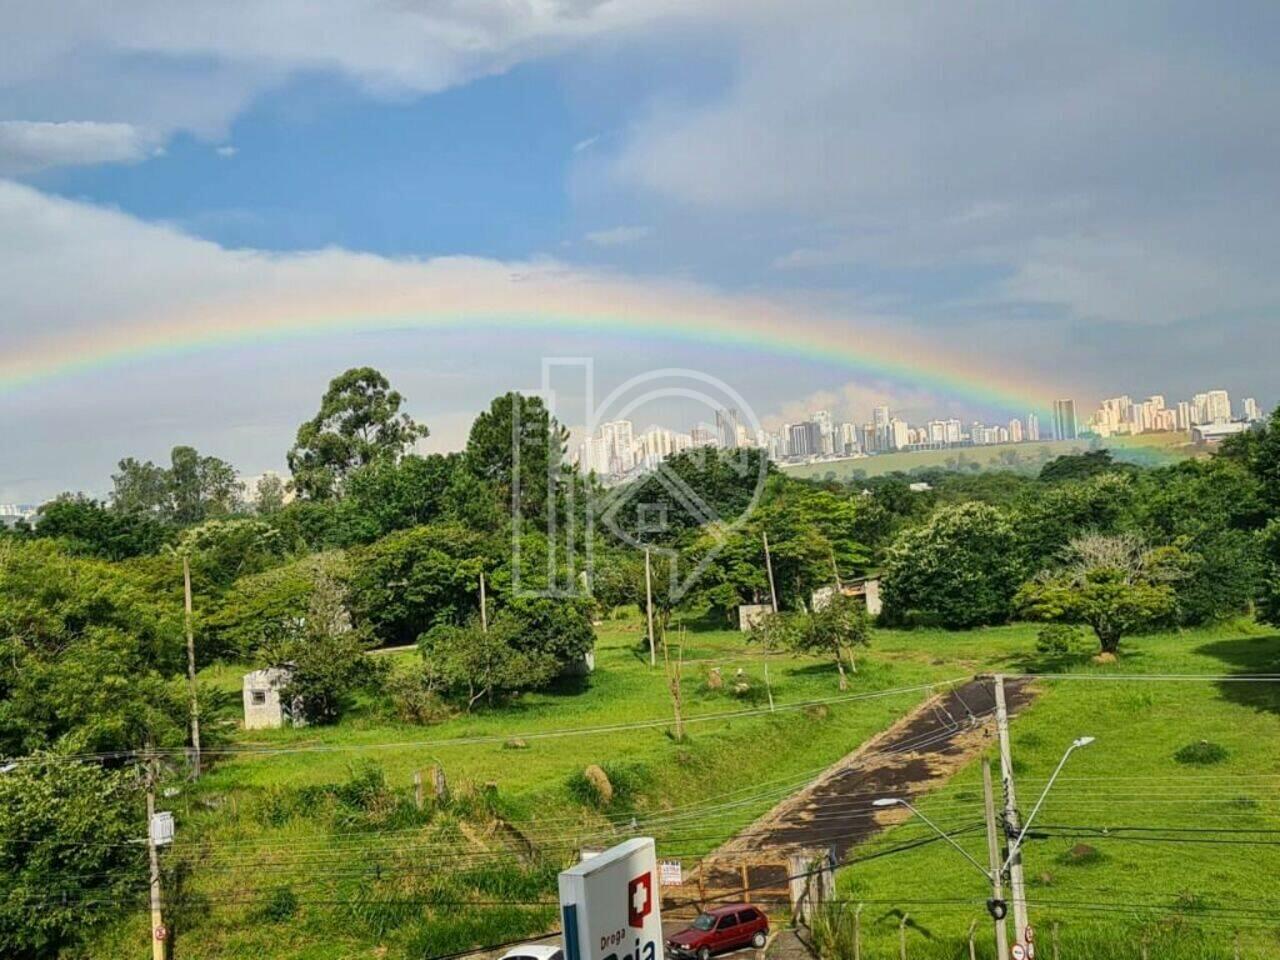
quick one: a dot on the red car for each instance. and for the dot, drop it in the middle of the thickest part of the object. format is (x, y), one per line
(723, 928)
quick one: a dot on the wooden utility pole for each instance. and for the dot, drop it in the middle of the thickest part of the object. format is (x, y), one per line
(993, 858)
(773, 601)
(159, 935)
(191, 667)
(768, 565)
(484, 613)
(673, 685)
(1016, 885)
(648, 593)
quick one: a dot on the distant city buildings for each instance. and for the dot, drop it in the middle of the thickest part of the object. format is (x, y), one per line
(11, 514)
(1064, 420)
(1122, 416)
(618, 450)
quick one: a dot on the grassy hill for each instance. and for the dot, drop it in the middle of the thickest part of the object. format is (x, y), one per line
(1152, 449)
(311, 852)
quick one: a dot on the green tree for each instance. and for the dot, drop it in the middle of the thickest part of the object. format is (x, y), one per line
(834, 629)
(359, 422)
(87, 527)
(223, 550)
(1269, 590)
(1080, 466)
(388, 495)
(268, 495)
(326, 655)
(514, 423)
(472, 664)
(1116, 585)
(192, 489)
(68, 853)
(407, 582)
(959, 570)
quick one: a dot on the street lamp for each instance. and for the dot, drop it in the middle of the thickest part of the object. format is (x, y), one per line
(899, 802)
(1076, 744)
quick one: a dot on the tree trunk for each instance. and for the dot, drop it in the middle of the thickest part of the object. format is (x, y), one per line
(844, 682)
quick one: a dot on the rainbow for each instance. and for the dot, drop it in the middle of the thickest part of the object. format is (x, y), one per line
(608, 309)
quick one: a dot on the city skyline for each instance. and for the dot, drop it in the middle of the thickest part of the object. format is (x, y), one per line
(617, 450)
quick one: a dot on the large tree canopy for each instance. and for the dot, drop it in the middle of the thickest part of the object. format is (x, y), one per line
(359, 422)
(958, 570)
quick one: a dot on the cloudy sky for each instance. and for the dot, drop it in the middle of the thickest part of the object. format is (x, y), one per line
(1063, 199)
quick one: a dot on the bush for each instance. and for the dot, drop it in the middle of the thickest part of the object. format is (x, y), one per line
(414, 697)
(1202, 753)
(281, 905)
(1057, 639)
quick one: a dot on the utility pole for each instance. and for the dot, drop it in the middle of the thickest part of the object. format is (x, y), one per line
(648, 592)
(191, 667)
(773, 600)
(993, 858)
(159, 935)
(484, 613)
(1011, 827)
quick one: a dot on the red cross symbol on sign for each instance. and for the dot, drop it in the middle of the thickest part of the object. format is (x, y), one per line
(639, 899)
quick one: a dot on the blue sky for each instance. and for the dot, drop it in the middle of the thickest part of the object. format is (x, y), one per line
(1084, 195)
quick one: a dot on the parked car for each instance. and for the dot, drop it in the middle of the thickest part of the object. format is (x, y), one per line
(723, 928)
(534, 951)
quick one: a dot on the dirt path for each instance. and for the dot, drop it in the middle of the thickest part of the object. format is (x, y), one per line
(835, 812)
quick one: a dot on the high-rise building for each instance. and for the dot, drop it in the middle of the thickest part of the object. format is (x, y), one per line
(1217, 406)
(1250, 410)
(1064, 420)
(727, 428)
(870, 439)
(703, 436)
(619, 440)
(804, 439)
(1033, 428)
(1015, 431)
(899, 434)
(848, 439)
(1183, 419)
(593, 456)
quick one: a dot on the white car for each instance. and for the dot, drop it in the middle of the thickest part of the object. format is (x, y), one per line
(534, 951)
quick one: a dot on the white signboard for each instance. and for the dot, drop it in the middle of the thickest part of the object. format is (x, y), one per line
(162, 828)
(670, 873)
(609, 905)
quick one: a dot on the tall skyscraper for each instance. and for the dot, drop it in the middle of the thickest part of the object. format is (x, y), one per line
(1250, 409)
(1064, 420)
(1217, 406)
(1182, 419)
(898, 434)
(727, 428)
(1015, 431)
(618, 437)
(1033, 427)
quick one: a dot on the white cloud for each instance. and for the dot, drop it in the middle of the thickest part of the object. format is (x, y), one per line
(226, 150)
(618, 236)
(170, 65)
(1100, 164)
(28, 146)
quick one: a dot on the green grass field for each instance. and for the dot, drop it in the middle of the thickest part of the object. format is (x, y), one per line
(1152, 449)
(368, 875)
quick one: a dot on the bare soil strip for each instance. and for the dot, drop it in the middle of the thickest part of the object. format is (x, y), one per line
(835, 811)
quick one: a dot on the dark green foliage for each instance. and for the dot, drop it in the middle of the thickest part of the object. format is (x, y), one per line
(89, 528)
(280, 906)
(85, 652)
(192, 489)
(516, 422)
(722, 484)
(389, 495)
(1080, 466)
(1202, 753)
(959, 570)
(469, 664)
(359, 423)
(406, 583)
(67, 856)
(551, 626)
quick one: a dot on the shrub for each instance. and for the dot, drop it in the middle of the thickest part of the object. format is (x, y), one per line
(414, 697)
(281, 904)
(1057, 639)
(1202, 753)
